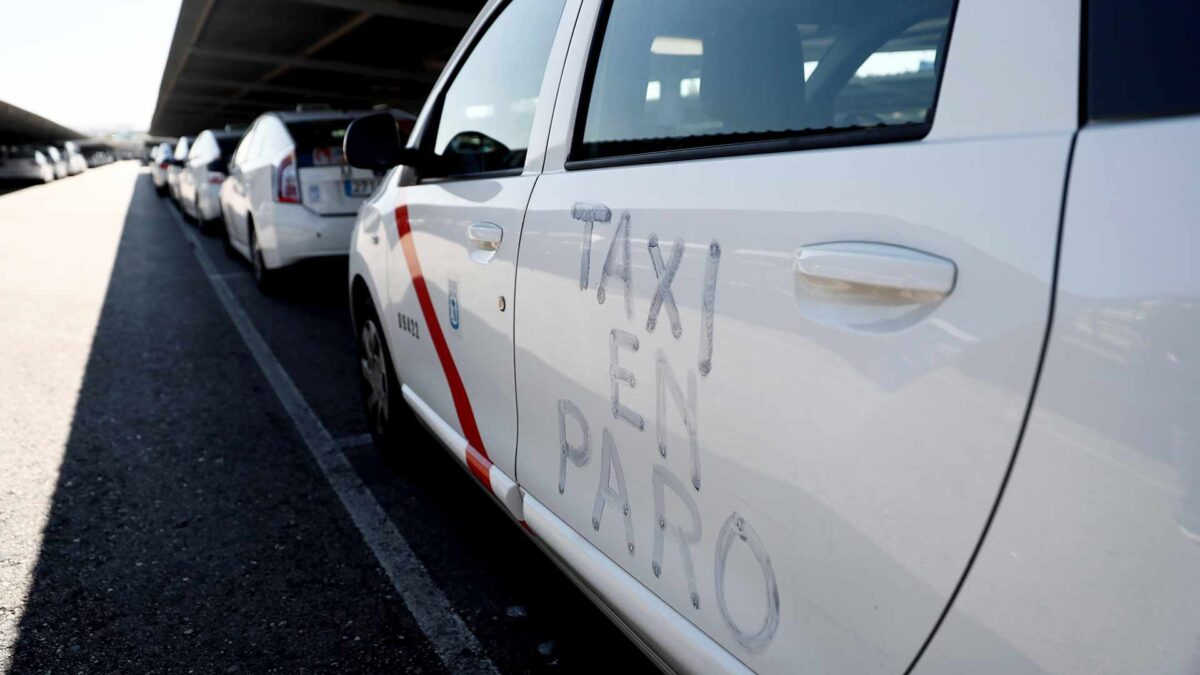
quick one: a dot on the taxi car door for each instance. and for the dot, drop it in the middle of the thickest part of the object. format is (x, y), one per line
(453, 249)
(778, 326)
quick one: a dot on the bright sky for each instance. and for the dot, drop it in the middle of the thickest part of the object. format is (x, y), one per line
(91, 65)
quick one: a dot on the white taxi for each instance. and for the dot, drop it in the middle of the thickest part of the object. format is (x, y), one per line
(847, 336)
(289, 195)
(203, 173)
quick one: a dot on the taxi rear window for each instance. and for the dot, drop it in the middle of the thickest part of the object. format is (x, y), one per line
(319, 143)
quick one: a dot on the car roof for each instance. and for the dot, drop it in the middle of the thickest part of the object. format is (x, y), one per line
(292, 116)
(288, 117)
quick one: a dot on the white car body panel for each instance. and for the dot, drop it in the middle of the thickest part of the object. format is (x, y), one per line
(891, 553)
(57, 162)
(439, 215)
(27, 168)
(200, 185)
(1092, 564)
(287, 232)
(158, 172)
(76, 164)
(837, 461)
(861, 452)
(180, 152)
(671, 639)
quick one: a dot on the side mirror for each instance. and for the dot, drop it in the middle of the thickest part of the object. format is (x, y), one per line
(373, 142)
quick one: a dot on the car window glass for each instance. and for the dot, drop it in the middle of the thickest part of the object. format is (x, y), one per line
(319, 142)
(1143, 58)
(690, 73)
(226, 145)
(487, 111)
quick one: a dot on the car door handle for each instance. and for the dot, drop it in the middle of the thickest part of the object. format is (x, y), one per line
(485, 235)
(485, 239)
(879, 271)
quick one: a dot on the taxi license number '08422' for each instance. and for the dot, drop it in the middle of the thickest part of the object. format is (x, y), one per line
(576, 441)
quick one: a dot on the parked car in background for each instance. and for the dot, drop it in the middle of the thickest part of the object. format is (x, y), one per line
(807, 377)
(205, 170)
(289, 195)
(76, 164)
(98, 157)
(175, 166)
(25, 163)
(57, 161)
(163, 156)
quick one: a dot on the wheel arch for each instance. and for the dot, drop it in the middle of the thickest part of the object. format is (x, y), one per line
(361, 300)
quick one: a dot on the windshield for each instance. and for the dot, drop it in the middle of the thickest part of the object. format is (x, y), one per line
(319, 143)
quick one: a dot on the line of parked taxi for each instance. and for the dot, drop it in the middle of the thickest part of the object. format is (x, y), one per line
(278, 192)
(790, 373)
(41, 163)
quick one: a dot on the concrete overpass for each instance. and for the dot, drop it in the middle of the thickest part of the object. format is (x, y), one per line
(19, 126)
(231, 60)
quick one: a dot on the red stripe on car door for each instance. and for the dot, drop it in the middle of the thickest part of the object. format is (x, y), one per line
(477, 458)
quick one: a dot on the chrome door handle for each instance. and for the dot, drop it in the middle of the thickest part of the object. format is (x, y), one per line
(880, 271)
(486, 238)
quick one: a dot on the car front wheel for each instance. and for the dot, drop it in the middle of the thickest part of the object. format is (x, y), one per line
(378, 383)
(263, 276)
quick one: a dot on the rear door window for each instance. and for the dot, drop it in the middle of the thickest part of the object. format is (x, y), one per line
(1143, 58)
(674, 74)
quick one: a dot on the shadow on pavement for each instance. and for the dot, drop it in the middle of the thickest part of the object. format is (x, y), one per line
(187, 532)
(7, 186)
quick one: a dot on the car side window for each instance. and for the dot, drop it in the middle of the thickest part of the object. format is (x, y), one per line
(486, 113)
(1142, 59)
(682, 74)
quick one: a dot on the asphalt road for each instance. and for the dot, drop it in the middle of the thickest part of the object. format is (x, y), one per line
(160, 510)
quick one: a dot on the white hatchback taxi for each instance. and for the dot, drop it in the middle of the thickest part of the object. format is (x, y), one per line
(289, 195)
(162, 156)
(178, 160)
(844, 336)
(203, 173)
(25, 163)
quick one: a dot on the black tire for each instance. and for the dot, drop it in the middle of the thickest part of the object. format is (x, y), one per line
(226, 242)
(263, 276)
(198, 218)
(380, 388)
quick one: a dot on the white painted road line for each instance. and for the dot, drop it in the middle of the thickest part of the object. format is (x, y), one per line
(454, 643)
